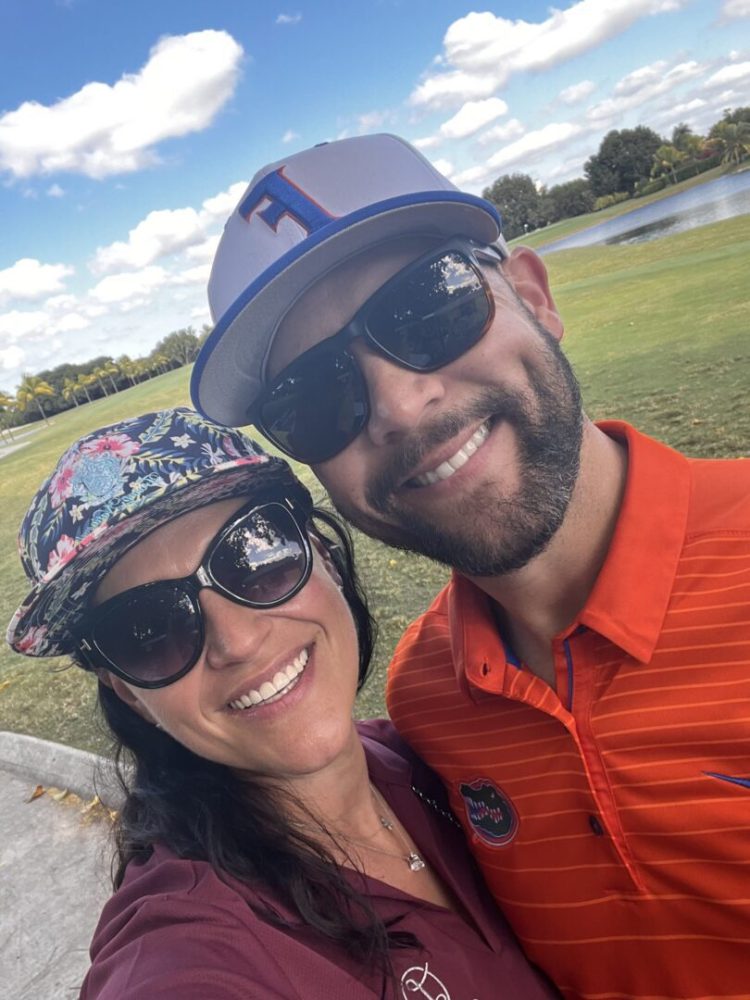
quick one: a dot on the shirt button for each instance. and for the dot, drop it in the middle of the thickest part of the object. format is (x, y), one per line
(596, 827)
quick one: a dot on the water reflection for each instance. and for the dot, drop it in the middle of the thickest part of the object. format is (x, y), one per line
(714, 201)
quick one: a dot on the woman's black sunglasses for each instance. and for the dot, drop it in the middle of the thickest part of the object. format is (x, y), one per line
(152, 635)
(422, 318)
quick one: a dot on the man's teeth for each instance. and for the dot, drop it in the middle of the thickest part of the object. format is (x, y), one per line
(282, 682)
(454, 463)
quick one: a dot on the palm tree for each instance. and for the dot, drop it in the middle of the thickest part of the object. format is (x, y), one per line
(7, 405)
(31, 390)
(666, 159)
(128, 369)
(70, 391)
(83, 382)
(100, 374)
(733, 139)
(111, 369)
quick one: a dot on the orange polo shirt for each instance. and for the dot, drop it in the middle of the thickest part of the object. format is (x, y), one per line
(611, 818)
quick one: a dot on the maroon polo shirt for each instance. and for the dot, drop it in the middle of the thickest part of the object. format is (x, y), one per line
(175, 929)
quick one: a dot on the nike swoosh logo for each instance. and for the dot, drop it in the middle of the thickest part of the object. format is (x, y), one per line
(745, 782)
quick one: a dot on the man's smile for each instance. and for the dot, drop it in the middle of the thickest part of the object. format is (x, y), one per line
(450, 465)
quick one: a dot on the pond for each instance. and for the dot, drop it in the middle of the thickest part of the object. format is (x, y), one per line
(722, 198)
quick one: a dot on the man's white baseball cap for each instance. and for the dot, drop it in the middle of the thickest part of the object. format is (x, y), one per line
(298, 220)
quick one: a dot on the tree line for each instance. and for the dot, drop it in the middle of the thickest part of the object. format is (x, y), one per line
(629, 163)
(40, 396)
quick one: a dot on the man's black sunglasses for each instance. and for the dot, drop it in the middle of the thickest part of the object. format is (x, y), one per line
(152, 635)
(422, 318)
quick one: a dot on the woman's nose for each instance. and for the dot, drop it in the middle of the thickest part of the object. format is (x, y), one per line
(234, 633)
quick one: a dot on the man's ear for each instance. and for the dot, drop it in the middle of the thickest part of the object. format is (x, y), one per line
(126, 694)
(528, 275)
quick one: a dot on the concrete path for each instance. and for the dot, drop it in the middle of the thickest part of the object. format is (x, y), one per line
(54, 867)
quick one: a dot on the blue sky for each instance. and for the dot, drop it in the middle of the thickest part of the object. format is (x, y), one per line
(129, 130)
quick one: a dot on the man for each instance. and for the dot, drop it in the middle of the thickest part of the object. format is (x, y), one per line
(582, 684)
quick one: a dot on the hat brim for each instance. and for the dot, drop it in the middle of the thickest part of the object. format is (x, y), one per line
(228, 374)
(43, 624)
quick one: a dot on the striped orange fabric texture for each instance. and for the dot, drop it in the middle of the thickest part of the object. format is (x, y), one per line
(611, 818)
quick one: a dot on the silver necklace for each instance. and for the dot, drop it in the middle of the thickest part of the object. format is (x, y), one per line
(412, 859)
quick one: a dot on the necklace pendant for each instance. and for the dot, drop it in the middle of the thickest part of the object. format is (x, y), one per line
(415, 863)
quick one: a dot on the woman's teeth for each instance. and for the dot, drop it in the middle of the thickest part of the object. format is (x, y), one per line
(281, 683)
(446, 469)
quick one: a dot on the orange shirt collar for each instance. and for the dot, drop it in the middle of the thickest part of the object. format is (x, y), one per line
(629, 600)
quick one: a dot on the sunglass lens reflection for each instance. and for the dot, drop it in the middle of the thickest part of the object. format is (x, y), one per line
(153, 636)
(433, 315)
(318, 407)
(262, 559)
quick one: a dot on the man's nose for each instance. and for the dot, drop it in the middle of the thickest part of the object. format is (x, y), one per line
(400, 399)
(233, 633)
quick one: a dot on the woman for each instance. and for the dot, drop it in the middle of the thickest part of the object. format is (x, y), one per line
(268, 847)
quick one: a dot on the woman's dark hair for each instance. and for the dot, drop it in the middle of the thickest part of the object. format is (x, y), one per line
(202, 811)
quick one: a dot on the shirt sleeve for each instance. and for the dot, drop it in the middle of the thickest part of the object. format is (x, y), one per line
(175, 947)
(174, 929)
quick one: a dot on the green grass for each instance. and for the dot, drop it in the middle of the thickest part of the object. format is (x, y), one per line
(658, 333)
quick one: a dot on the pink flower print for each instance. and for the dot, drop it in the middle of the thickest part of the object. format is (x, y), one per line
(63, 553)
(229, 447)
(60, 487)
(34, 641)
(119, 445)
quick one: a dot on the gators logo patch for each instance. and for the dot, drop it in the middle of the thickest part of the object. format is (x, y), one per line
(490, 812)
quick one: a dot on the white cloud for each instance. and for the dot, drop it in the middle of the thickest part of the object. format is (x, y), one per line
(445, 167)
(372, 120)
(677, 111)
(129, 288)
(197, 275)
(62, 303)
(483, 50)
(17, 323)
(162, 232)
(206, 251)
(427, 142)
(288, 18)
(534, 142)
(30, 279)
(103, 130)
(166, 231)
(644, 76)
(289, 136)
(499, 133)
(735, 8)
(729, 74)
(577, 92)
(12, 357)
(473, 116)
(523, 150)
(641, 86)
(55, 191)
(69, 322)
(219, 206)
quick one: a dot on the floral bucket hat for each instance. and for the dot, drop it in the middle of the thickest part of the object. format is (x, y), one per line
(109, 490)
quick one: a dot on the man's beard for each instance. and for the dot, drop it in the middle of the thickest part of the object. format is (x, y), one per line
(490, 534)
